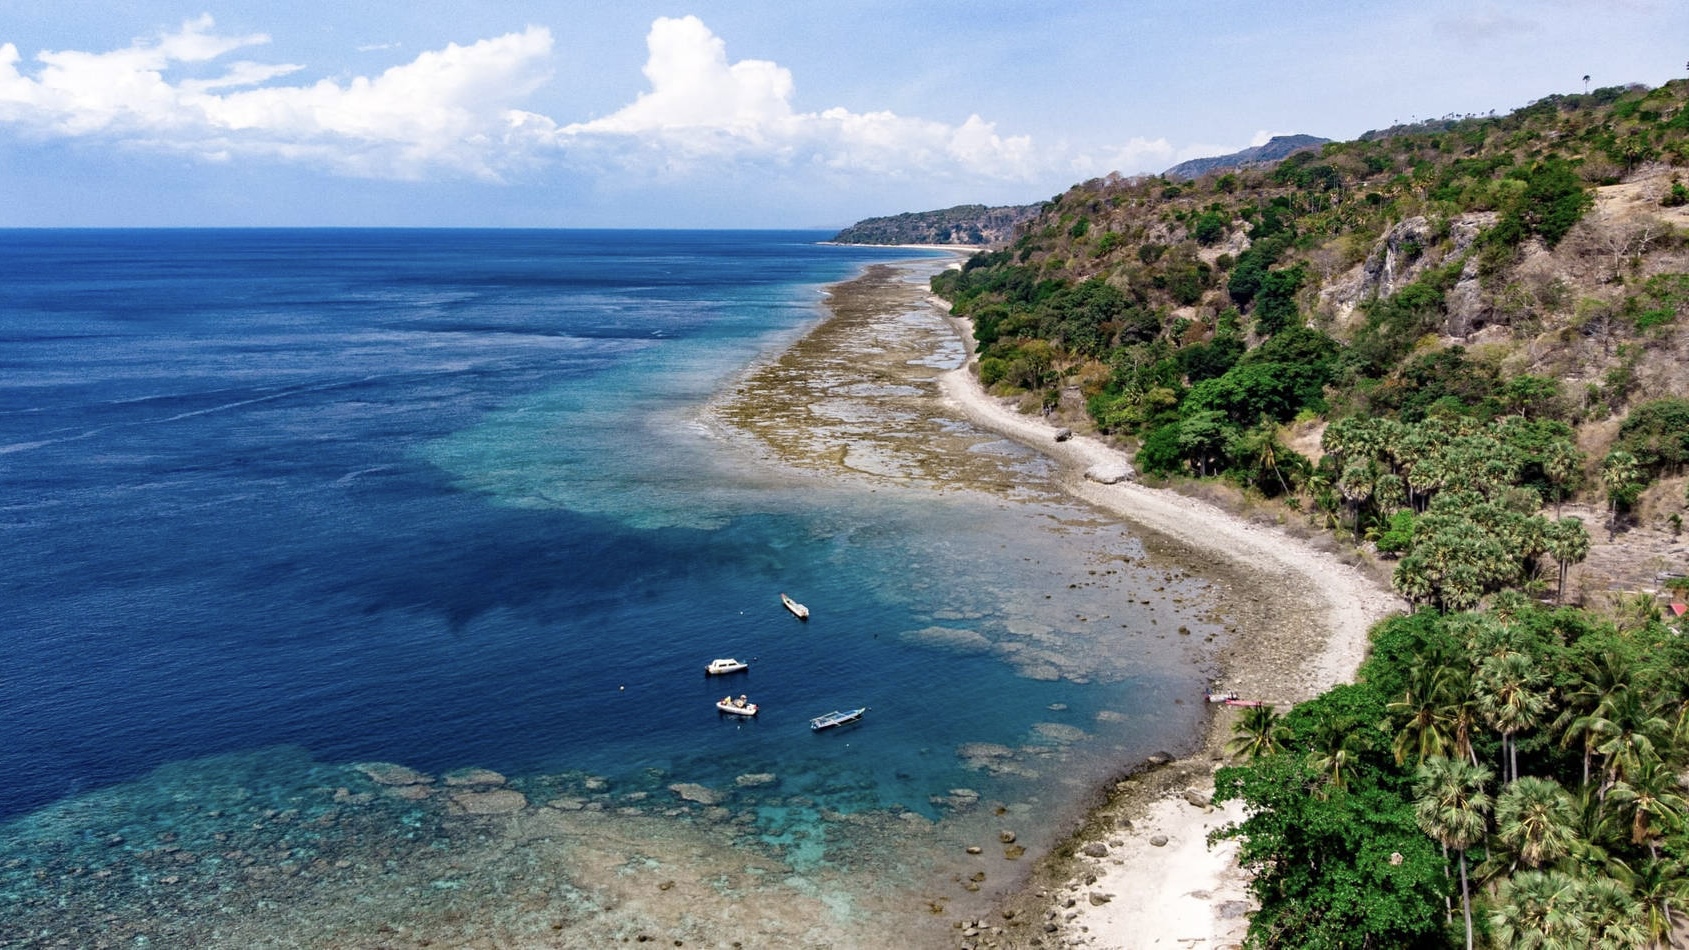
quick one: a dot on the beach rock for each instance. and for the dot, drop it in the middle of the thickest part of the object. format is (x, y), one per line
(974, 849)
(1158, 841)
(472, 776)
(755, 779)
(1098, 898)
(1109, 473)
(693, 792)
(1095, 849)
(1007, 837)
(1160, 758)
(1198, 799)
(1062, 435)
(1232, 910)
(567, 803)
(501, 801)
(388, 773)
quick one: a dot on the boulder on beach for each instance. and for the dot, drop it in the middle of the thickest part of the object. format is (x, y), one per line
(1109, 473)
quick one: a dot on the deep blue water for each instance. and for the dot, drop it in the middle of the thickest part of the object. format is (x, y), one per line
(441, 498)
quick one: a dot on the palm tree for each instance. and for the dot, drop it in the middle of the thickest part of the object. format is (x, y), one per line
(1563, 464)
(1600, 675)
(1539, 910)
(1427, 729)
(1536, 822)
(1510, 695)
(1259, 731)
(1660, 886)
(1652, 798)
(1450, 804)
(1619, 472)
(1636, 731)
(1335, 744)
(1568, 543)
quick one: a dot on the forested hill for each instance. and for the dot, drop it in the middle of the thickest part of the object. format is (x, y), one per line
(1276, 148)
(1460, 350)
(975, 225)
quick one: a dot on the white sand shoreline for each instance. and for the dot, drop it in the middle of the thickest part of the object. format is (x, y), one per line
(1179, 894)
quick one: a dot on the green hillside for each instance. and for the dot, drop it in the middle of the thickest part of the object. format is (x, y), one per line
(1460, 349)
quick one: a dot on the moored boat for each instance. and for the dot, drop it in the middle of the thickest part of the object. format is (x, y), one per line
(726, 665)
(798, 610)
(838, 717)
(737, 707)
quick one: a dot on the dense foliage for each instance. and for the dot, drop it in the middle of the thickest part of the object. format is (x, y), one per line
(1483, 761)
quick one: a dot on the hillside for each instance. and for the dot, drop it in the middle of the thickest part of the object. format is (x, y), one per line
(972, 225)
(1450, 274)
(1460, 350)
(1276, 148)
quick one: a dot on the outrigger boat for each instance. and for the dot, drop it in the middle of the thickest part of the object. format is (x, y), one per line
(738, 707)
(798, 610)
(729, 665)
(836, 718)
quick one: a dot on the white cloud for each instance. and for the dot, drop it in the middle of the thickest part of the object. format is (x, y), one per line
(446, 110)
(701, 109)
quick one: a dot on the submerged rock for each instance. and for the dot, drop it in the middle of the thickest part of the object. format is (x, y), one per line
(389, 773)
(693, 792)
(474, 776)
(501, 801)
(755, 779)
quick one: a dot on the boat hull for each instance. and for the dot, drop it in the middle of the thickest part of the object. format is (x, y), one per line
(836, 718)
(733, 709)
(722, 667)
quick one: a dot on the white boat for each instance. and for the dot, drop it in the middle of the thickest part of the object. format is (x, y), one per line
(837, 717)
(798, 610)
(738, 707)
(728, 665)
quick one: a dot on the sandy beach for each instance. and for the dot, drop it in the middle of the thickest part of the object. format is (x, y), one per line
(1140, 873)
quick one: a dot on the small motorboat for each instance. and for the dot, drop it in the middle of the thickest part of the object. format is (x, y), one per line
(798, 610)
(838, 717)
(728, 665)
(737, 707)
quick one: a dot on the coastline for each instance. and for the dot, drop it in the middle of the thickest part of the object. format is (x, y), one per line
(1139, 873)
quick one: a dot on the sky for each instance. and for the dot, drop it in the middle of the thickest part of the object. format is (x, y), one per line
(717, 114)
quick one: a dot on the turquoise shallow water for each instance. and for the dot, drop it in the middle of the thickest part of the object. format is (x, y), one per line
(281, 502)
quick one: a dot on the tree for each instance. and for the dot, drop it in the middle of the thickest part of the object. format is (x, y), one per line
(1568, 543)
(1350, 870)
(1620, 475)
(1259, 731)
(1511, 696)
(1535, 823)
(1450, 805)
(1427, 730)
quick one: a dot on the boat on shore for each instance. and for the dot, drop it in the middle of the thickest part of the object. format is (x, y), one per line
(737, 707)
(838, 717)
(798, 610)
(725, 665)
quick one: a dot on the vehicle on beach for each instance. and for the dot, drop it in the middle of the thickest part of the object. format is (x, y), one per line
(737, 707)
(836, 718)
(727, 665)
(798, 610)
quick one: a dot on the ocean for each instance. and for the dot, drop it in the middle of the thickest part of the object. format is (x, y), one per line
(280, 503)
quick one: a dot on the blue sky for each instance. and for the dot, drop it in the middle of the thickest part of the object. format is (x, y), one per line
(754, 113)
